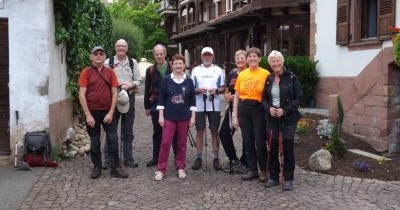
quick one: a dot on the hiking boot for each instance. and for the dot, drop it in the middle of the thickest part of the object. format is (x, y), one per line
(106, 165)
(288, 186)
(271, 183)
(96, 172)
(197, 164)
(130, 164)
(118, 173)
(231, 166)
(250, 175)
(216, 164)
(151, 163)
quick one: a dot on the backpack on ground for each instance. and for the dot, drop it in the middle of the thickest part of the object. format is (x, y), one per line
(37, 148)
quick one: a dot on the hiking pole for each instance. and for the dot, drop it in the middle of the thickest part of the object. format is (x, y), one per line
(121, 152)
(191, 139)
(280, 141)
(16, 141)
(205, 129)
(268, 152)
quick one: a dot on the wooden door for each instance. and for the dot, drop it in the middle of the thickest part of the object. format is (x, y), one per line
(4, 92)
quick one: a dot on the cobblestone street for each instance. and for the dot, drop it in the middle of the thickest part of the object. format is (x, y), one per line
(70, 187)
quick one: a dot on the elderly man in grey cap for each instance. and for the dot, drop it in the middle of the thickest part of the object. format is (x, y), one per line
(98, 98)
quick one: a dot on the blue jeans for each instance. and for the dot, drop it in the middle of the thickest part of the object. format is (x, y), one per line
(111, 139)
(127, 120)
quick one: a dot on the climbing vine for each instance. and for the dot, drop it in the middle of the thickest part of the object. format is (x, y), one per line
(81, 25)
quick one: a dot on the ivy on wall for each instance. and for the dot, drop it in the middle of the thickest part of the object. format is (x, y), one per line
(81, 25)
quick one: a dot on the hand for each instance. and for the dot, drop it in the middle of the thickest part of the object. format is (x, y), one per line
(161, 121)
(235, 122)
(90, 120)
(192, 122)
(279, 112)
(124, 86)
(108, 118)
(213, 91)
(202, 90)
(272, 112)
(229, 96)
(148, 112)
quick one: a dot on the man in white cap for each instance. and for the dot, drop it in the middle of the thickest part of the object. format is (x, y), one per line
(98, 97)
(127, 71)
(209, 82)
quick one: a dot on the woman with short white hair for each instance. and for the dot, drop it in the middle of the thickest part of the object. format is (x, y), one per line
(281, 99)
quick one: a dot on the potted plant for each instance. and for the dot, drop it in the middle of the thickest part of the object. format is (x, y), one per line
(394, 31)
(396, 43)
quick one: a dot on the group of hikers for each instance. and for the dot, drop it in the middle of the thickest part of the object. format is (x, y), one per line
(263, 105)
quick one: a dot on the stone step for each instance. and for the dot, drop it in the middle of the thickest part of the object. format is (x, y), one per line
(4, 160)
(368, 154)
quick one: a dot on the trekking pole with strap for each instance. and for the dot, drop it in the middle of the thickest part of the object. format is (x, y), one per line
(191, 139)
(280, 150)
(205, 129)
(121, 153)
(16, 141)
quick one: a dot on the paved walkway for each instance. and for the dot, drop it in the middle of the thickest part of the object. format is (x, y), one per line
(70, 187)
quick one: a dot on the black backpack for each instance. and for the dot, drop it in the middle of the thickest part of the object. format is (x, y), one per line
(37, 142)
(111, 62)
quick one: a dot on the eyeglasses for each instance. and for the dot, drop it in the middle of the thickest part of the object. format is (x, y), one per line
(98, 53)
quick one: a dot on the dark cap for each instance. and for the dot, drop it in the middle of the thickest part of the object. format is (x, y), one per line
(97, 48)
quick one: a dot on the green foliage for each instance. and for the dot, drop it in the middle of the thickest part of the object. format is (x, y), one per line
(81, 25)
(132, 34)
(396, 51)
(336, 145)
(143, 14)
(306, 70)
(264, 64)
(55, 154)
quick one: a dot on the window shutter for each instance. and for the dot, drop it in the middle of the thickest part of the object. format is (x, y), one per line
(342, 22)
(385, 18)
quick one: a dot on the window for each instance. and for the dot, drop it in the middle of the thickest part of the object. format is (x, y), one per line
(363, 21)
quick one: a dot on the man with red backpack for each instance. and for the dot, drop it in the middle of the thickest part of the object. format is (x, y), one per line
(152, 84)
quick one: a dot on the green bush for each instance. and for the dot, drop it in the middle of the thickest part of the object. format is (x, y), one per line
(305, 69)
(132, 34)
(336, 146)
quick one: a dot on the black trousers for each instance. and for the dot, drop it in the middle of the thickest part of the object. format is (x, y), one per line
(111, 139)
(288, 151)
(157, 134)
(225, 135)
(252, 123)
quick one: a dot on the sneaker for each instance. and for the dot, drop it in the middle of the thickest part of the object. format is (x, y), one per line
(181, 174)
(159, 176)
(288, 186)
(250, 175)
(197, 164)
(151, 163)
(96, 172)
(216, 164)
(231, 166)
(118, 173)
(106, 165)
(271, 183)
(130, 164)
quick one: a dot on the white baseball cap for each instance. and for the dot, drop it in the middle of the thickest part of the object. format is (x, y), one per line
(207, 50)
(123, 101)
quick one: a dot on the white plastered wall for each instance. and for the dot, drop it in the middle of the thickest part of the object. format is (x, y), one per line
(336, 60)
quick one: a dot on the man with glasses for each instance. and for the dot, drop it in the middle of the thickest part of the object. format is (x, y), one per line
(98, 98)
